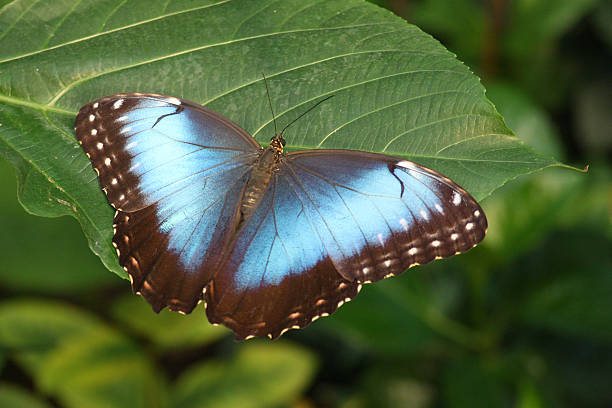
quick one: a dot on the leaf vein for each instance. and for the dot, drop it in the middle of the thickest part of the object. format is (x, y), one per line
(73, 84)
(9, 28)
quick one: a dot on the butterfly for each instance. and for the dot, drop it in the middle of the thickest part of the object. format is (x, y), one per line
(269, 241)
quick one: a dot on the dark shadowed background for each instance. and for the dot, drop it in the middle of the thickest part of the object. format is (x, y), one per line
(523, 320)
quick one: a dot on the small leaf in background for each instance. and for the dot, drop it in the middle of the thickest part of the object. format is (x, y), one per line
(538, 22)
(31, 329)
(15, 397)
(471, 384)
(260, 375)
(450, 19)
(518, 40)
(398, 316)
(593, 105)
(525, 210)
(533, 395)
(101, 369)
(73, 356)
(559, 302)
(528, 121)
(392, 383)
(602, 18)
(579, 370)
(167, 330)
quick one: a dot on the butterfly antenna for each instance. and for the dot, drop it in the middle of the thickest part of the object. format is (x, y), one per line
(311, 108)
(270, 101)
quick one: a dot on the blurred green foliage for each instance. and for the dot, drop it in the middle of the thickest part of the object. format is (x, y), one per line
(523, 320)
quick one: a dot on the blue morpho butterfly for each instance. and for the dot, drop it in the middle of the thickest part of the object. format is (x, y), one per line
(271, 241)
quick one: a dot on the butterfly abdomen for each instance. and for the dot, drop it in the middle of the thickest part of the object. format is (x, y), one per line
(258, 181)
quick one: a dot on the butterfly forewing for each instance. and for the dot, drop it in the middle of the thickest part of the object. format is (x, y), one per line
(378, 215)
(175, 171)
(146, 147)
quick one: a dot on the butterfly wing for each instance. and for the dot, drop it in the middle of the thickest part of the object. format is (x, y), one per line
(378, 215)
(277, 275)
(175, 171)
(330, 221)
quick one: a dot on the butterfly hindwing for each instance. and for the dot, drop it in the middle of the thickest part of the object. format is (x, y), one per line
(171, 249)
(330, 221)
(175, 171)
(277, 275)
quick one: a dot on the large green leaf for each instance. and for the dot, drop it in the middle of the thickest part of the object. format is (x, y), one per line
(398, 91)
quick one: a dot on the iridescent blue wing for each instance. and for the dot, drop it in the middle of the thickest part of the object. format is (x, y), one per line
(381, 215)
(330, 221)
(277, 275)
(175, 172)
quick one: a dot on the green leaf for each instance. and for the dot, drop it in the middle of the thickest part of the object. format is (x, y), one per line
(449, 19)
(575, 300)
(392, 318)
(31, 329)
(101, 369)
(40, 150)
(15, 397)
(411, 315)
(592, 107)
(398, 91)
(471, 384)
(547, 200)
(261, 375)
(391, 383)
(538, 22)
(602, 18)
(61, 254)
(529, 396)
(77, 358)
(528, 121)
(167, 330)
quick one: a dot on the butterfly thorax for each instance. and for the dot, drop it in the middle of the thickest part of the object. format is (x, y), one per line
(265, 166)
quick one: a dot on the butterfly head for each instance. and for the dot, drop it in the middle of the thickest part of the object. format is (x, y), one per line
(278, 143)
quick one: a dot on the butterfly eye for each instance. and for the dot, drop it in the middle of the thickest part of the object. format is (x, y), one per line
(282, 140)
